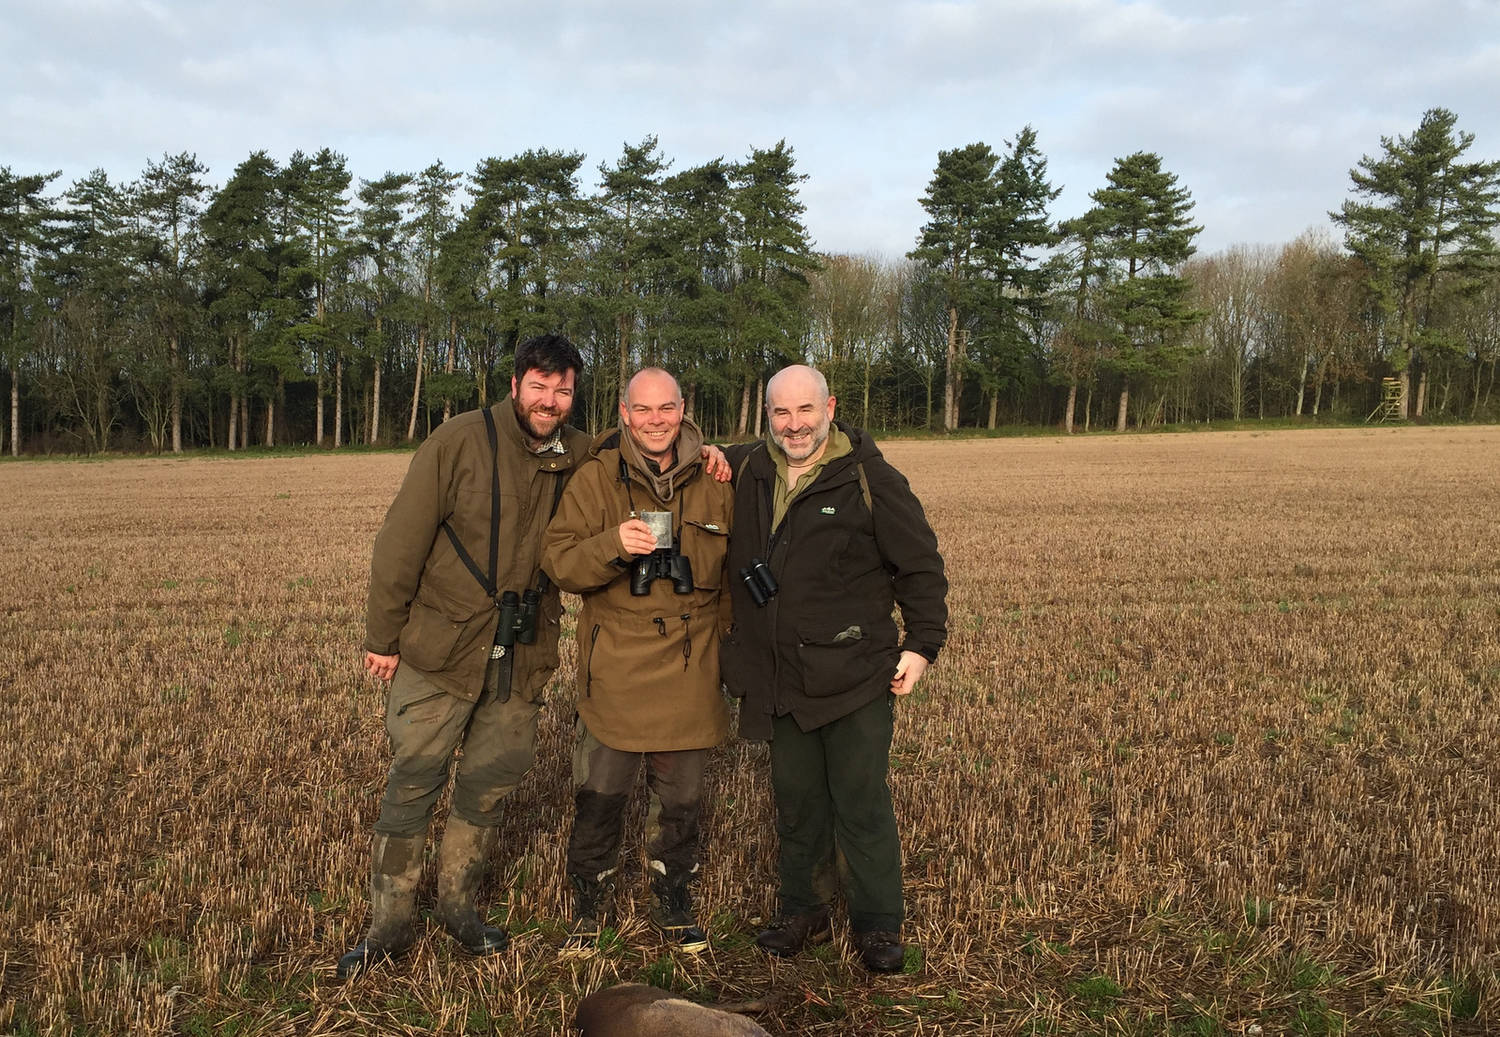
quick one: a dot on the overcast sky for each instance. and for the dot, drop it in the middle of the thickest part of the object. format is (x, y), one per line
(1259, 108)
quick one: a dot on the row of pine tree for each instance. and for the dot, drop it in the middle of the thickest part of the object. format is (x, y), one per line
(294, 305)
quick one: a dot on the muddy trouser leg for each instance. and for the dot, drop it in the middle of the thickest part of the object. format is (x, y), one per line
(804, 816)
(674, 781)
(858, 748)
(499, 749)
(425, 724)
(602, 781)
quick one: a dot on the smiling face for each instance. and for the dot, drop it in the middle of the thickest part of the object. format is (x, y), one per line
(542, 402)
(652, 413)
(800, 411)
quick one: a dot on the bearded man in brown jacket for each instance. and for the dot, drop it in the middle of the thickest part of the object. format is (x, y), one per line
(465, 529)
(648, 649)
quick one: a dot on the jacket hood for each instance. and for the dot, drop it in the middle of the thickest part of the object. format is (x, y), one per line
(689, 447)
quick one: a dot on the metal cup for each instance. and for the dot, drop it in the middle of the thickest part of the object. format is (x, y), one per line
(661, 526)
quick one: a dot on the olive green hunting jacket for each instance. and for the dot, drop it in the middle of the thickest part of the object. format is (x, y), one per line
(424, 603)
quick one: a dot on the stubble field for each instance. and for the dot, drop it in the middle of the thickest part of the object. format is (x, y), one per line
(1213, 749)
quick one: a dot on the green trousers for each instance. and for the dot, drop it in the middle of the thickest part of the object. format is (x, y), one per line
(832, 796)
(426, 725)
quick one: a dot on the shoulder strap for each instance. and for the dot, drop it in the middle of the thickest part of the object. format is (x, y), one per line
(487, 579)
(864, 487)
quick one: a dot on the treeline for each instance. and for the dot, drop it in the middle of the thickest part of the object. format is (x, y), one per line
(292, 305)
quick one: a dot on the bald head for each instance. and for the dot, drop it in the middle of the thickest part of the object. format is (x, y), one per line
(800, 412)
(653, 381)
(798, 379)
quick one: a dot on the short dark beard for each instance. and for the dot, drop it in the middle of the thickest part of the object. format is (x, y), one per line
(524, 420)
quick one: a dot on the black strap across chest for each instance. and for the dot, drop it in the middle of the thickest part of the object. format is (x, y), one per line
(487, 578)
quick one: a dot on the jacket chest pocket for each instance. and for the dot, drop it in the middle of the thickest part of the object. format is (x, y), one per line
(705, 545)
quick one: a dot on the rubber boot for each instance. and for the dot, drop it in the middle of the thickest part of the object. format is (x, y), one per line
(463, 861)
(395, 870)
(593, 901)
(672, 911)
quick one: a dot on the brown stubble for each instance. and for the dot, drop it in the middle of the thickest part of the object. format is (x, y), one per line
(1215, 725)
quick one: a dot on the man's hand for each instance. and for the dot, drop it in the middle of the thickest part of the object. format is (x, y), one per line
(382, 667)
(636, 537)
(715, 463)
(909, 670)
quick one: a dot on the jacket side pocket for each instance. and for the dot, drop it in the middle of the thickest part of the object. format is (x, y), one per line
(428, 637)
(836, 659)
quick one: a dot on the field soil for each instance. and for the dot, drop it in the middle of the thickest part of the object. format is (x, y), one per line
(1214, 749)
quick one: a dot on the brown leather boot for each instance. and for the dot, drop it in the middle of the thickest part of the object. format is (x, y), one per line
(463, 862)
(880, 951)
(395, 869)
(790, 933)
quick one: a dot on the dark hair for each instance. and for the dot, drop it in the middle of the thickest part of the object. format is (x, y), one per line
(549, 354)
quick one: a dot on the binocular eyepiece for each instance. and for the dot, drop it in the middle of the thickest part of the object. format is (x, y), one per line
(759, 582)
(665, 563)
(518, 617)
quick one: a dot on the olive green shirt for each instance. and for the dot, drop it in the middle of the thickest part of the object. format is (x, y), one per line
(837, 446)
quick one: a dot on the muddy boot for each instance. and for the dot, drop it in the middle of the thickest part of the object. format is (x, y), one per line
(463, 860)
(790, 933)
(880, 950)
(672, 913)
(593, 900)
(395, 869)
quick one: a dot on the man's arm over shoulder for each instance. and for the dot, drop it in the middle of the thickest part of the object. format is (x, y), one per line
(909, 549)
(403, 544)
(738, 453)
(581, 545)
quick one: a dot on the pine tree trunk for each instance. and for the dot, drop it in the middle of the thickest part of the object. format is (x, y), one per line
(1421, 393)
(1072, 403)
(994, 408)
(622, 340)
(338, 402)
(176, 394)
(760, 405)
(375, 407)
(318, 431)
(950, 379)
(690, 402)
(245, 421)
(1088, 408)
(1124, 407)
(15, 413)
(270, 422)
(744, 419)
(448, 364)
(1405, 392)
(416, 391)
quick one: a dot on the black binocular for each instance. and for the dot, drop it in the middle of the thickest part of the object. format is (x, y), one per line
(665, 563)
(759, 582)
(518, 617)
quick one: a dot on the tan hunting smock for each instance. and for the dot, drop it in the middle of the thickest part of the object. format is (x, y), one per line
(648, 667)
